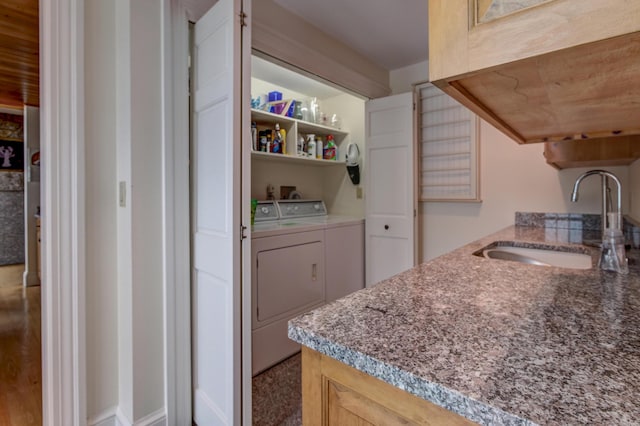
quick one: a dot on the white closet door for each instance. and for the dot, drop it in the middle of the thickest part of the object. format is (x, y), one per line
(216, 162)
(390, 183)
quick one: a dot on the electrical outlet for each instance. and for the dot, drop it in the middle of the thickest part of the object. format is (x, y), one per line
(359, 192)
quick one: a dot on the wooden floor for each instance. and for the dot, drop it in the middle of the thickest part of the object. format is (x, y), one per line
(20, 357)
(11, 275)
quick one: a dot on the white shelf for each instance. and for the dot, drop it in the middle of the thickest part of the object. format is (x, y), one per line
(303, 126)
(293, 159)
(259, 115)
(307, 127)
(294, 128)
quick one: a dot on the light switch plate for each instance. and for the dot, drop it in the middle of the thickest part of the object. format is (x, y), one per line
(359, 193)
(122, 194)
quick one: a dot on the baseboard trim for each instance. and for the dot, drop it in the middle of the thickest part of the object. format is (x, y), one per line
(107, 417)
(114, 417)
(30, 278)
(121, 419)
(159, 418)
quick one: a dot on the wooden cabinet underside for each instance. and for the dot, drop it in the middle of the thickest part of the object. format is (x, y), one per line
(587, 92)
(556, 70)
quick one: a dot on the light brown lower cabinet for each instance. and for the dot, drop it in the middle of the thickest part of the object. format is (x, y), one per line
(334, 393)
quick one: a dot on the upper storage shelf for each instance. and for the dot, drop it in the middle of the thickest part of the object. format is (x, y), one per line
(559, 70)
(294, 128)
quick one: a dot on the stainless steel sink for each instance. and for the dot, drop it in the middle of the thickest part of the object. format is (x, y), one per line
(539, 255)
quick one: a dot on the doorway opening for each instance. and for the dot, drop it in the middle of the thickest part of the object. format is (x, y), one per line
(20, 307)
(300, 259)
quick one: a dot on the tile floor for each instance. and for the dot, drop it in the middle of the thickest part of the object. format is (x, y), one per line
(277, 395)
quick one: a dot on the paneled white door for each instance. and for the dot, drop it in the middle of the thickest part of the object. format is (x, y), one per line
(390, 184)
(217, 160)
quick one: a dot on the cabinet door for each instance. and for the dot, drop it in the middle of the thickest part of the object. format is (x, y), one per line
(344, 252)
(289, 279)
(555, 71)
(335, 394)
(347, 407)
(463, 40)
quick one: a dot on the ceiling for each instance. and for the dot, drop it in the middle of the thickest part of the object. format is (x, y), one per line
(19, 54)
(390, 34)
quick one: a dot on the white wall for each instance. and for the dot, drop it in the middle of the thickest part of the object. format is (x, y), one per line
(634, 190)
(401, 79)
(340, 193)
(308, 180)
(146, 205)
(101, 202)
(261, 87)
(513, 178)
(125, 365)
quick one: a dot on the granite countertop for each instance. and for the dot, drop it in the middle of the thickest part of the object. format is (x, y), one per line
(498, 342)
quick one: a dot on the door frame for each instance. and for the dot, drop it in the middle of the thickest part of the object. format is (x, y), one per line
(62, 199)
(176, 214)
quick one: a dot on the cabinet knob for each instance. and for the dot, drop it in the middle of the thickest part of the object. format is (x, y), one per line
(386, 227)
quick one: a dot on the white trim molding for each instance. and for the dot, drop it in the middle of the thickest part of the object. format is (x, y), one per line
(176, 214)
(31, 127)
(107, 417)
(63, 214)
(114, 417)
(158, 418)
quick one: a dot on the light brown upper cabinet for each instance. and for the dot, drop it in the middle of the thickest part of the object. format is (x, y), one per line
(541, 70)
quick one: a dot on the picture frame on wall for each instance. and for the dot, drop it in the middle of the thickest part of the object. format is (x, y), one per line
(11, 155)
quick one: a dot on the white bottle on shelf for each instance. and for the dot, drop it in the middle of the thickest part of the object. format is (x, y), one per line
(319, 148)
(311, 146)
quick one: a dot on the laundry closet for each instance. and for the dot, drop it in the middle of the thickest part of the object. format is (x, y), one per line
(308, 228)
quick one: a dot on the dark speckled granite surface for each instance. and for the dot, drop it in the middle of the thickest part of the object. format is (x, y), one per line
(496, 341)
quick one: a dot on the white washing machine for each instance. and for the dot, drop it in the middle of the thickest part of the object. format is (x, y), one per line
(289, 244)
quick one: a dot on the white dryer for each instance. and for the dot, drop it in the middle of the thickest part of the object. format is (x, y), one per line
(287, 277)
(292, 240)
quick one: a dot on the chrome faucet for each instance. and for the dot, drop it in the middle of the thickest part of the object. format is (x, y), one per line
(606, 197)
